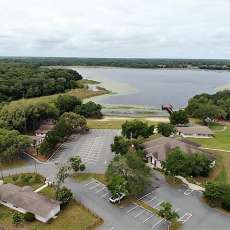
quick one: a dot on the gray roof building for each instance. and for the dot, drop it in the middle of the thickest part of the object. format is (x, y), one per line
(23, 199)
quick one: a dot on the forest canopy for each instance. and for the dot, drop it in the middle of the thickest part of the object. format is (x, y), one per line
(24, 80)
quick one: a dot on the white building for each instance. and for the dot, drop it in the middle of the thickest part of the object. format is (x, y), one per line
(23, 199)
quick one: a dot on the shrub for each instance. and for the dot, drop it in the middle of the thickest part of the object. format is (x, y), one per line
(15, 178)
(82, 167)
(17, 218)
(64, 195)
(29, 216)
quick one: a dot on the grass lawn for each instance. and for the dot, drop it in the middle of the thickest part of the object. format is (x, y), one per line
(112, 123)
(73, 217)
(24, 179)
(220, 141)
(79, 92)
(87, 176)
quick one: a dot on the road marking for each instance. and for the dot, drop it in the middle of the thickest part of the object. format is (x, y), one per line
(111, 228)
(100, 190)
(89, 183)
(185, 217)
(145, 196)
(158, 204)
(188, 192)
(93, 187)
(148, 218)
(104, 195)
(158, 222)
(139, 213)
(130, 210)
(154, 198)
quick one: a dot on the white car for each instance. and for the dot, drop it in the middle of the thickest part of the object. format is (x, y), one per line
(117, 198)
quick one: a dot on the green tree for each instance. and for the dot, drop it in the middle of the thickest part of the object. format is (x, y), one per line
(136, 128)
(167, 212)
(67, 103)
(179, 117)
(89, 109)
(12, 143)
(120, 145)
(166, 129)
(117, 185)
(76, 164)
(132, 168)
(61, 175)
(64, 195)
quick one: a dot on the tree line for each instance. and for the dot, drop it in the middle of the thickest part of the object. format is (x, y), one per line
(21, 80)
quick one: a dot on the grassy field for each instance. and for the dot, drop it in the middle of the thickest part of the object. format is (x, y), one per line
(80, 92)
(73, 217)
(220, 141)
(31, 179)
(111, 123)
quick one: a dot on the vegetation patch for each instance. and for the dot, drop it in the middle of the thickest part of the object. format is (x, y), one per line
(25, 179)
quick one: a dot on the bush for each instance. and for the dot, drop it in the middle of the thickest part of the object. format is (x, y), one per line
(82, 167)
(29, 216)
(15, 178)
(64, 195)
(166, 129)
(17, 218)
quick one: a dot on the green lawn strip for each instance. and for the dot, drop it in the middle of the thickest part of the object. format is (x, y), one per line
(87, 176)
(35, 180)
(112, 123)
(222, 177)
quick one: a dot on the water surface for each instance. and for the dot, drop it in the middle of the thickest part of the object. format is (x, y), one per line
(154, 87)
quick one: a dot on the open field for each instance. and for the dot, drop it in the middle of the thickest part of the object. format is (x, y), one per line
(116, 122)
(220, 141)
(79, 92)
(73, 217)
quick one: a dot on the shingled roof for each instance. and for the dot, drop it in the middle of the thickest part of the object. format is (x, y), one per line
(25, 198)
(161, 146)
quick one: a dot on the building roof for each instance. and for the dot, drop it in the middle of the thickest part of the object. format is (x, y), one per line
(195, 130)
(25, 198)
(44, 128)
(160, 147)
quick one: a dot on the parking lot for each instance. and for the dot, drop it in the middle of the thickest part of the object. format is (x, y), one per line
(137, 212)
(94, 148)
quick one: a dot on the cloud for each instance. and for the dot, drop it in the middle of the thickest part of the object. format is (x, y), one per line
(116, 28)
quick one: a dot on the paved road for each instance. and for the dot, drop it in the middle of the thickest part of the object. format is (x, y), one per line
(199, 215)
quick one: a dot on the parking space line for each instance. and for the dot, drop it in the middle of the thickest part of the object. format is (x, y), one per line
(158, 204)
(104, 195)
(144, 196)
(130, 210)
(89, 183)
(148, 218)
(185, 217)
(154, 198)
(158, 222)
(188, 192)
(100, 190)
(95, 186)
(139, 213)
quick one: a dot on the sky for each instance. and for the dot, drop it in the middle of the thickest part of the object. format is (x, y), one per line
(116, 28)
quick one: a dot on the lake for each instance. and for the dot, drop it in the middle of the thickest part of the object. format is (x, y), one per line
(154, 87)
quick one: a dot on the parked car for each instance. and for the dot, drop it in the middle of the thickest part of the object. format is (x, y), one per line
(117, 198)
